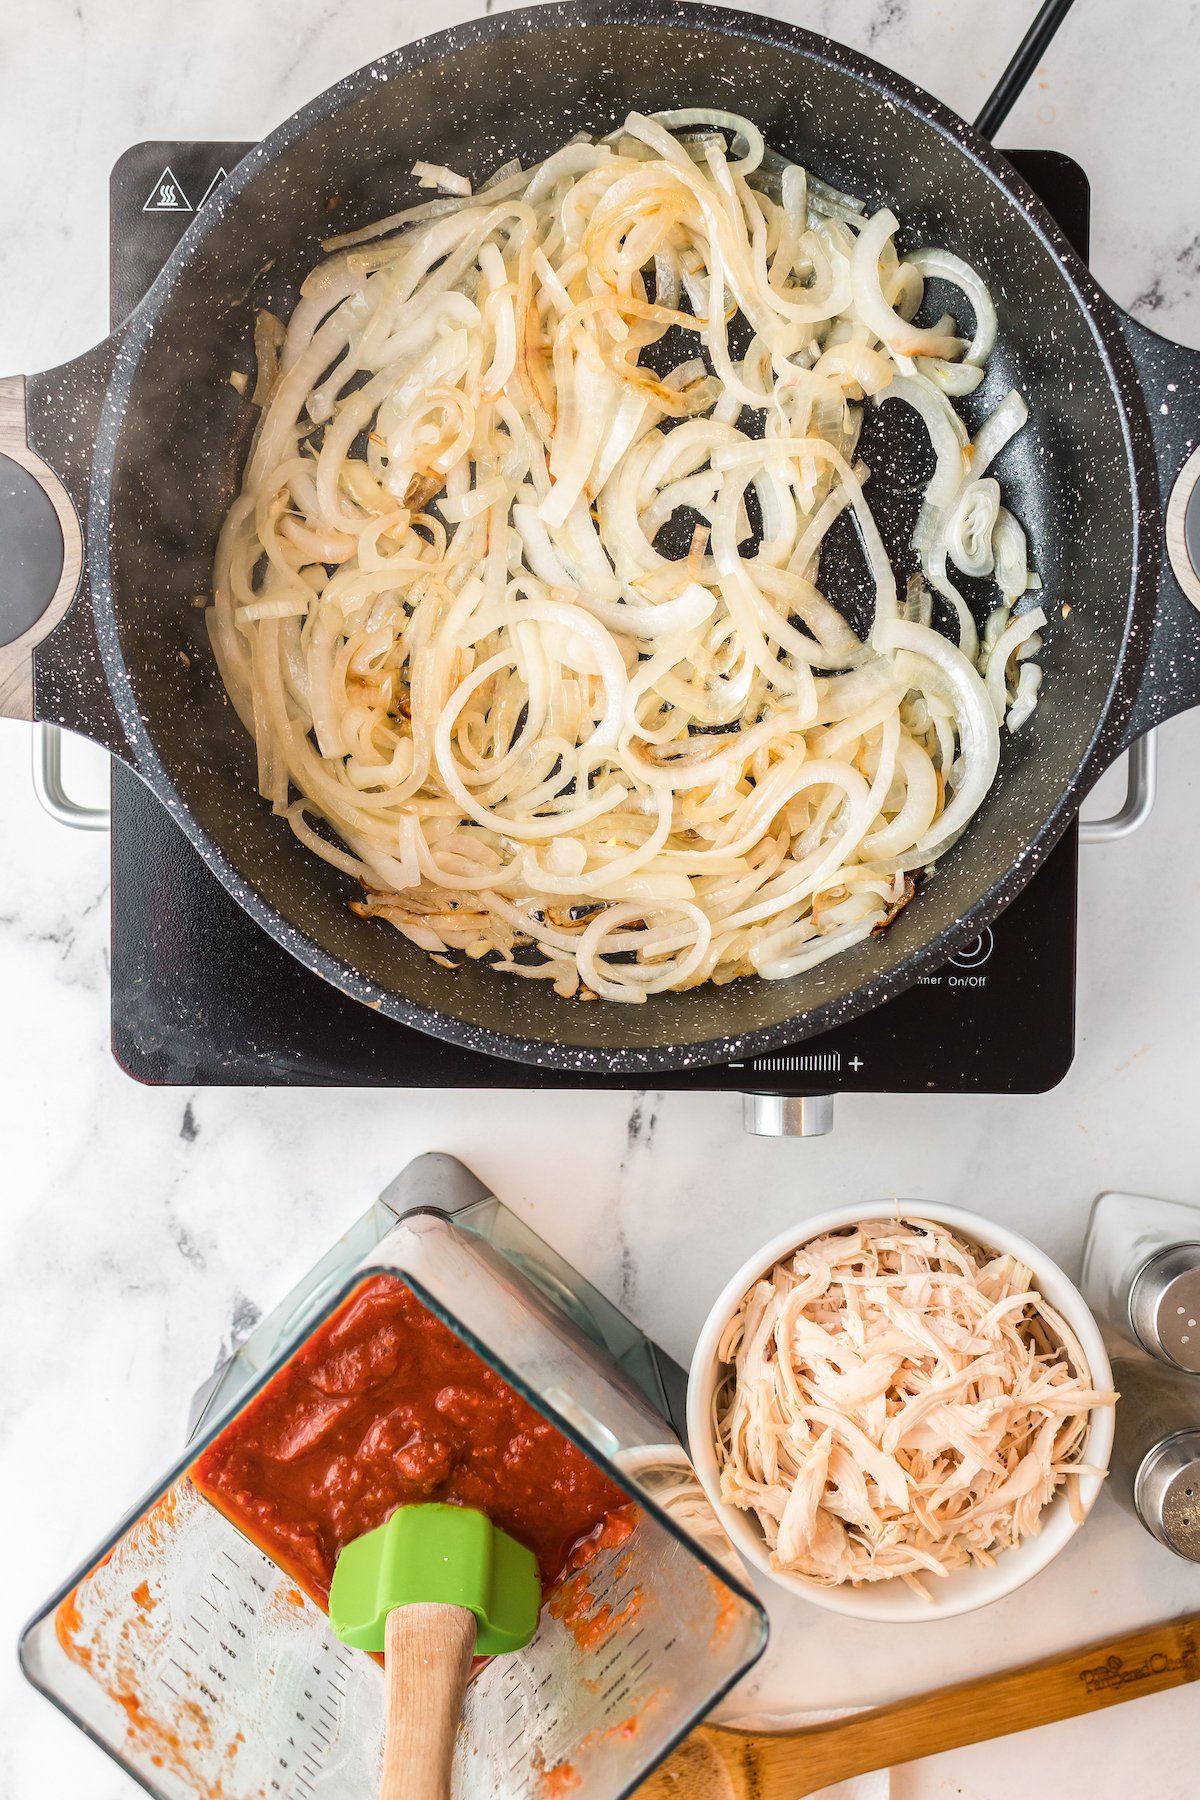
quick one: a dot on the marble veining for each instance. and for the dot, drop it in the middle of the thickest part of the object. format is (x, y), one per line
(143, 1231)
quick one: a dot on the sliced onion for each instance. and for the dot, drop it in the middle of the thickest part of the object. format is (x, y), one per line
(900, 337)
(943, 266)
(947, 433)
(741, 130)
(1010, 555)
(1026, 697)
(445, 180)
(1018, 632)
(977, 727)
(444, 607)
(970, 527)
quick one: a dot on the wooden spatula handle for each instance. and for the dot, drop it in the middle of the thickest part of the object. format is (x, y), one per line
(1058, 1687)
(732, 1765)
(427, 1662)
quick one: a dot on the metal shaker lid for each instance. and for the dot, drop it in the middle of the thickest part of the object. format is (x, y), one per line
(1164, 1306)
(1166, 1493)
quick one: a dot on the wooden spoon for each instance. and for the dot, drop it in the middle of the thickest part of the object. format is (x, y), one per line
(718, 1764)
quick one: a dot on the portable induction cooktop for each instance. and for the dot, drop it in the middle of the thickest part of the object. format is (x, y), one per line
(200, 995)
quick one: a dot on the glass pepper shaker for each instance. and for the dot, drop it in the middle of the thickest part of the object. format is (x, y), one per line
(1155, 1469)
(1141, 1272)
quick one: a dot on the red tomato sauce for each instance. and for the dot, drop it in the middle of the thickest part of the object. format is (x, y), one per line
(383, 1406)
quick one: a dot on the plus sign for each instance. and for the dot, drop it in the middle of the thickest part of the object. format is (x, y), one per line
(856, 1063)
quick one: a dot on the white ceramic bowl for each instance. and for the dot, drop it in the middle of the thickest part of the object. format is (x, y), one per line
(965, 1589)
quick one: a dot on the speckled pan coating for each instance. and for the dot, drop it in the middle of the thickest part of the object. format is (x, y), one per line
(172, 434)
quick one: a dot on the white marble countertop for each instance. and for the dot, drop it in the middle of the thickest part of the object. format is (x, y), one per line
(142, 1230)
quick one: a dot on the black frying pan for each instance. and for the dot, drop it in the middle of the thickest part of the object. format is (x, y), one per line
(148, 437)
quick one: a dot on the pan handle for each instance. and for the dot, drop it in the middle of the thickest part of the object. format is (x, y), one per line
(50, 665)
(1170, 379)
(43, 552)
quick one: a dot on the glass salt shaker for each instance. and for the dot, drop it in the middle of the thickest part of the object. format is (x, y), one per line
(1141, 1272)
(1155, 1468)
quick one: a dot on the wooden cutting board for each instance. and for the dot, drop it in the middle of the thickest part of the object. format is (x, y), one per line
(718, 1764)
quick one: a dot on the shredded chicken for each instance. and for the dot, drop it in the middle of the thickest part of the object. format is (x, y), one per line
(896, 1404)
(675, 1486)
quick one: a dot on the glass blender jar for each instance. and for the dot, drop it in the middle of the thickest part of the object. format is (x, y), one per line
(203, 1669)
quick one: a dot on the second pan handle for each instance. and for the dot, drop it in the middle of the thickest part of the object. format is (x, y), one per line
(50, 664)
(1169, 374)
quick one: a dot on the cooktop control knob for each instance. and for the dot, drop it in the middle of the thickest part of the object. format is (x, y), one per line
(788, 1115)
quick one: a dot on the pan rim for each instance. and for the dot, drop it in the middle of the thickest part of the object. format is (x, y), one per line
(1102, 319)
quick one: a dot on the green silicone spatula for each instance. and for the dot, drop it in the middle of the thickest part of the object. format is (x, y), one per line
(431, 1588)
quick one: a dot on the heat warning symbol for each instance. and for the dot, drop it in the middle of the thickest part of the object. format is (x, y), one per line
(167, 196)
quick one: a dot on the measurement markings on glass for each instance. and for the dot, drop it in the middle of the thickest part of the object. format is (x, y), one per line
(330, 1670)
(614, 1691)
(316, 1690)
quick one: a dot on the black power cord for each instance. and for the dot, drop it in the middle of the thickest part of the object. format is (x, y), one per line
(1028, 55)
